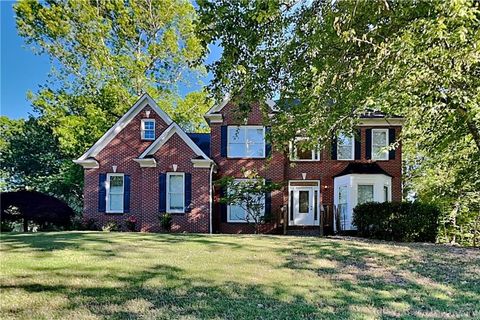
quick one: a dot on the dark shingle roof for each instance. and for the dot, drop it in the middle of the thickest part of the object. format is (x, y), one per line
(202, 140)
(362, 168)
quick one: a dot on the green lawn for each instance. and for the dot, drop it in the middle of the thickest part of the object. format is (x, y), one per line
(93, 275)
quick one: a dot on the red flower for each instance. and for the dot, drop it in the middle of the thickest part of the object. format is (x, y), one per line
(132, 219)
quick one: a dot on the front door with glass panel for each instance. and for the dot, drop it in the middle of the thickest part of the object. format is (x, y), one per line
(303, 206)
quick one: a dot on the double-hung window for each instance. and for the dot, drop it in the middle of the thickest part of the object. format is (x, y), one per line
(246, 142)
(345, 147)
(176, 192)
(148, 129)
(300, 152)
(238, 212)
(115, 191)
(380, 144)
(365, 193)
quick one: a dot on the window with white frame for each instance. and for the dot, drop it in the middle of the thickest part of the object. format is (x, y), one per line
(365, 193)
(175, 192)
(148, 129)
(115, 191)
(237, 212)
(345, 147)
(301, 152)
(379, 144)
(246, 142)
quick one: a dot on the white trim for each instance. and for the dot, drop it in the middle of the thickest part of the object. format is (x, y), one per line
(352, 137)
(88, 163)
(293, 152)
(142, 102)
(107, 189)
(167, 134)
(202, 163)
(214, 118)
(246, 126)
(381, 122)
(146, 162)
(386, 145)
(143, 130)
(310, 188)
(167, 193)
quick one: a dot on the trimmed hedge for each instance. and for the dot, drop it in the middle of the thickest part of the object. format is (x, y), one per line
(397, 221)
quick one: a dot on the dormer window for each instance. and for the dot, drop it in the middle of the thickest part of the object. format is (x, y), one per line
(148, 129)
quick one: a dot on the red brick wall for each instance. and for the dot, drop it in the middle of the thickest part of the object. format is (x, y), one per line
(127, 146)
(121, 151)
(280, 169)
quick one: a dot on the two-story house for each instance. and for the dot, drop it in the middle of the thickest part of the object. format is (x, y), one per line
(146, 165)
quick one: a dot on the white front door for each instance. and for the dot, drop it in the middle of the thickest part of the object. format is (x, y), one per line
(303, 206)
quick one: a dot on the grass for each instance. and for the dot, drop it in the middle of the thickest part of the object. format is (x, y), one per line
(94, 275)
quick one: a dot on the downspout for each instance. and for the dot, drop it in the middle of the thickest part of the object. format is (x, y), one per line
(211, 198)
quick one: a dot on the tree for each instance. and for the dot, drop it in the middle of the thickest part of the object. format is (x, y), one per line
(31, 159)
(31, 206)
(249, 194)
(105, 54)
(417, 59)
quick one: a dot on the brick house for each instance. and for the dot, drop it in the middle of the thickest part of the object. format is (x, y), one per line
(146, 165)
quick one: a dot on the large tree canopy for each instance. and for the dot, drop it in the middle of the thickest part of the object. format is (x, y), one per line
(418, 59)
(106, 53)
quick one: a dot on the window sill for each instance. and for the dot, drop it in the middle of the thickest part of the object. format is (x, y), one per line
(245, 158)
(114, 213)
(304, 160)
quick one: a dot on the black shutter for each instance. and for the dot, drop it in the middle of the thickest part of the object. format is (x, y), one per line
(162, 192)
(223, 207)
(188, 192)
(223, 137)
(102, 192)
(368, 144)
(268, 202)
(334, 148)
(358, 145)
(268, 144)
(126, 194)
(391, 139)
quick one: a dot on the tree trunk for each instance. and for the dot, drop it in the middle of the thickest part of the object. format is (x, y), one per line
(25, 225)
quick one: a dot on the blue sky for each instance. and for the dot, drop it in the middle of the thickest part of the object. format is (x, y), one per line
(22, 70)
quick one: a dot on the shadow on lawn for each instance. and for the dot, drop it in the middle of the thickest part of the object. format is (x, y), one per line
(366, 281)
(78, 240)
(181, 296)
(429, 280)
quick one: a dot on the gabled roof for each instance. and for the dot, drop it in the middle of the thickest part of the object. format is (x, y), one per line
(202, 140)
(166, 135)
(362, 168)
(143, 101)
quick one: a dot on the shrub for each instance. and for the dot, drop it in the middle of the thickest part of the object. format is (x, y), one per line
(398, 221)
(110, 226)
(130, 222)
(166, 221)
